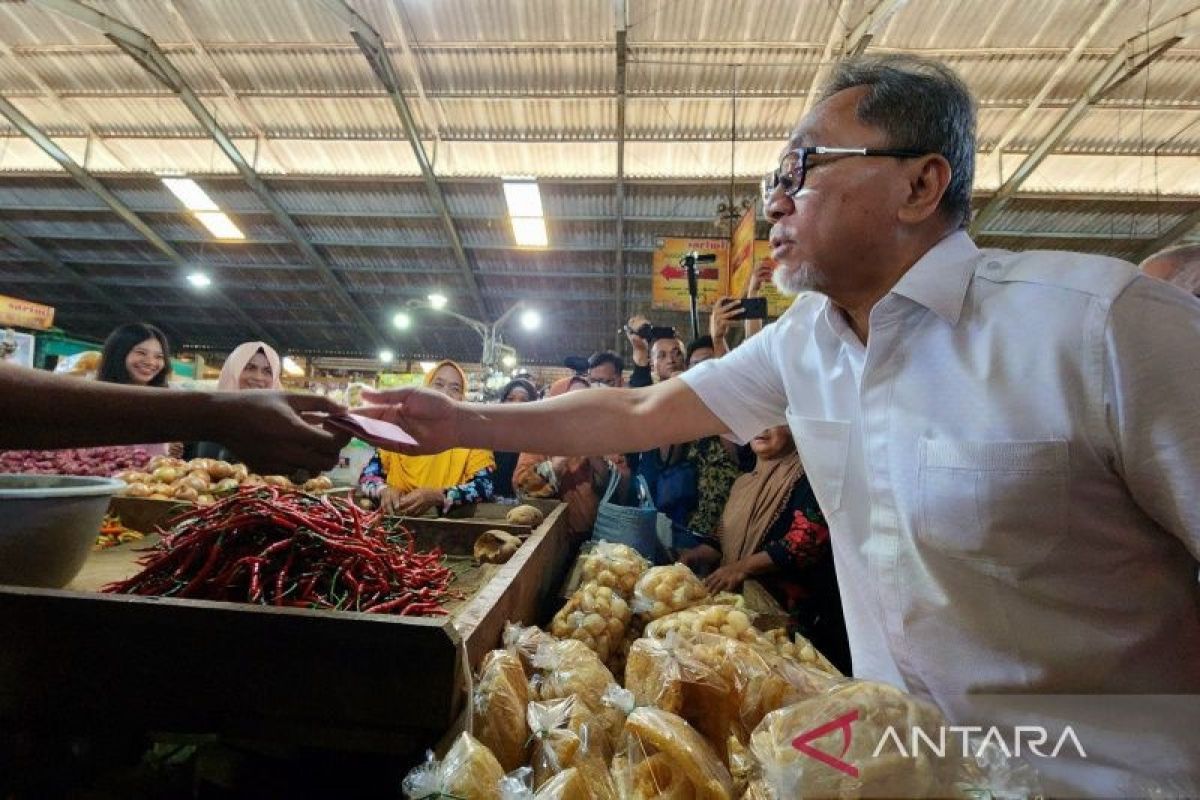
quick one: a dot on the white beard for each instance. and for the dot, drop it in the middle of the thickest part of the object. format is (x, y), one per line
(792, 281)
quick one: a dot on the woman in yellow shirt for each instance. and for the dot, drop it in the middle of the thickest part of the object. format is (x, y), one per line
(411, 485)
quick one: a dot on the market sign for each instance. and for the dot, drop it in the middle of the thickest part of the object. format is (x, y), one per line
(24, 314)
(669, 286)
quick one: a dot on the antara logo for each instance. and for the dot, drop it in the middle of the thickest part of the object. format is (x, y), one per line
(975, 742)
(843, 723)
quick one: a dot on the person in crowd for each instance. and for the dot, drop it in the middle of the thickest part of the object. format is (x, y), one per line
(688, 482)
(265, 428)
(772, 530)
(135, 354)
(1179, 265)
(656, 360)
(410, 486)
(251, 365)
(518, 390)
(579, 481)
(606, 368)
(725, 310)
(698, 350)
(1004, 451)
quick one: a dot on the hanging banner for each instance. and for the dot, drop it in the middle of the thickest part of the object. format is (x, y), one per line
(669, 286)
(24, 314)
(741, 257)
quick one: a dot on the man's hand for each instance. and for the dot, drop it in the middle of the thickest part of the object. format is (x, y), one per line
(728, 578)
(759, 278)
(723, 315)
(429, 416)
(641, 348)
(268, 432)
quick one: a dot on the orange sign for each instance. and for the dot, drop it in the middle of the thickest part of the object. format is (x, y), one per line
(24, 314)
(669, 286)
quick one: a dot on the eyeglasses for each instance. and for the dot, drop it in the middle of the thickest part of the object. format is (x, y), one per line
(793, 167)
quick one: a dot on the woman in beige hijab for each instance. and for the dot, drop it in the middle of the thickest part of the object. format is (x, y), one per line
(251, 365)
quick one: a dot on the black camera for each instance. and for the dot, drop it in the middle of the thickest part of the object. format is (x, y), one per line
(651, 333)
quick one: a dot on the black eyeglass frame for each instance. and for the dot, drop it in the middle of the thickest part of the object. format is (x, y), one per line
(797, 175)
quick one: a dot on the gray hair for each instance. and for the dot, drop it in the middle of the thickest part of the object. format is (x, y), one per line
(920, 104)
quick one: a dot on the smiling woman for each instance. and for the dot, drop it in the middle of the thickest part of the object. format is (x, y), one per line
(136, 354)
(251, 365)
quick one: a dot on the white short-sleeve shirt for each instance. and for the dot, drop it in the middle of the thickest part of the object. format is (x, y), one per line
(1009, 469)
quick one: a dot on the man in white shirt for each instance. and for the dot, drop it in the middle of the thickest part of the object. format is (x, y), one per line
(1004, 448)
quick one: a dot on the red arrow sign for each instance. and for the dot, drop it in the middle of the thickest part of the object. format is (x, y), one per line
(843, 722)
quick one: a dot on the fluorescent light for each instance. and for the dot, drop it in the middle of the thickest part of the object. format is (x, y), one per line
(402, 320)
(509, 361)
(437, 300)
(386, 356)
(524, 199)
(190, 194)
(290, 367)
(219, 225)
(199, 280)
(427, 366)
(530, 231)
(531, 320)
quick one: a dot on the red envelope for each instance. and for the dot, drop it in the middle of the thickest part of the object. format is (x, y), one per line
(372, 431)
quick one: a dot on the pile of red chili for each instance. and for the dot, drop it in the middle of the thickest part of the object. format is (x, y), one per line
(283, 547)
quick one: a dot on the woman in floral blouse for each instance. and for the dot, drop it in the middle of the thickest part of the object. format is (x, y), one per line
(412, 485)
(772, 530)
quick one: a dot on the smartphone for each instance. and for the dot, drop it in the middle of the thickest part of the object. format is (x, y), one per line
(753, 308)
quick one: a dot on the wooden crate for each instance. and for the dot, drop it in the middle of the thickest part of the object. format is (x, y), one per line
(97, 662)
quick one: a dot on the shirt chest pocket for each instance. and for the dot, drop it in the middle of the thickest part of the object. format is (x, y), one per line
(824, 448)
(1000, 503)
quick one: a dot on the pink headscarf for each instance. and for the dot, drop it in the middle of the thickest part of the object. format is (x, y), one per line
(231, 371)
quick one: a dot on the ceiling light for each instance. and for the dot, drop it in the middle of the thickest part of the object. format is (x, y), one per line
(531, 320)
(386, 356)
(530, 231)
(402, 320)
(190, 194)
(290, 367)
(524, 199)
(427, 366)
(509, 361)
(437, 300)
(199, 280)
(219, 225)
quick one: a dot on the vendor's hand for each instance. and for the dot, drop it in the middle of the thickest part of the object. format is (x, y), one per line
(699, 558)
(389, 500)
(759, 278)
(430, 417)
(641, 348)
(418, 501)
(728, 578)
(269, 433)
(724, 314)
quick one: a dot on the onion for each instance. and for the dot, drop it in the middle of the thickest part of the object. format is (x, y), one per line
(137, 490)
(186, 493)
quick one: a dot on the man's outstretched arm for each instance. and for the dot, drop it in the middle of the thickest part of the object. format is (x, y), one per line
(577, 423)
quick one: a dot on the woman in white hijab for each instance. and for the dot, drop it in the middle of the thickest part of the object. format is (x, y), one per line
(251, 365)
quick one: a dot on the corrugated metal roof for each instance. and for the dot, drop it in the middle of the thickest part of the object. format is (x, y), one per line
(525, 87)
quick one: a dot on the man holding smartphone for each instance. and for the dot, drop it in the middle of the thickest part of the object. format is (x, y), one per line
(728, 310)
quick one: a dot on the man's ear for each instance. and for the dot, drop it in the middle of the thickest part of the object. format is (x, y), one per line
(928, 179)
